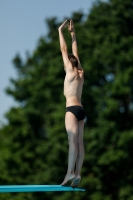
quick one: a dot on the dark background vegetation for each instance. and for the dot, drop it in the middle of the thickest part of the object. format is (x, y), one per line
(33, 145)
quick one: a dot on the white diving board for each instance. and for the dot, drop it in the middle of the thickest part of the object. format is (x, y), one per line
(37, 188)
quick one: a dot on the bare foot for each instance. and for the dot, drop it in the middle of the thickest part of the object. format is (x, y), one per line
(68, 178)
(76, 181)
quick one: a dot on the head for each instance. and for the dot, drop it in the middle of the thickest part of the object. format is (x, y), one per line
(73, 60)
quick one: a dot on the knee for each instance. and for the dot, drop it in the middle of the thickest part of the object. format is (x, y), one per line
(72, 139)
(80, 143)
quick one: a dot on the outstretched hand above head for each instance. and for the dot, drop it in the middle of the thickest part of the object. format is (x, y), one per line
(71, 27)
(64, 25)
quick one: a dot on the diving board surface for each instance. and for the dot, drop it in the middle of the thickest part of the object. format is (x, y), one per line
(37, 188)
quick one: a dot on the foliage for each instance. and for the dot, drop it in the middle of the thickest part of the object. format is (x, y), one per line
(33, 145)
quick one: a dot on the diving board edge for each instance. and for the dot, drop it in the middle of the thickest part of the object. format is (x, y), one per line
(38, 188)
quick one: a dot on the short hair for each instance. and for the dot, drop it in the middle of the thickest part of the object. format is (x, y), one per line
(73, 60)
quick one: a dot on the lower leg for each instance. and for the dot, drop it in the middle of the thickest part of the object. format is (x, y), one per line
(79, 163)
(80, 158)
(72, 155)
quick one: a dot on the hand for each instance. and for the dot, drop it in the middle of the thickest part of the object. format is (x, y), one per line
(64, 25)
(71, 27)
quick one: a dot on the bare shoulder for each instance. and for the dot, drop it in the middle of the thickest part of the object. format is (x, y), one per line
(68, 67)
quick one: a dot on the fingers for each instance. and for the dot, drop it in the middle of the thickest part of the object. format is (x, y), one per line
(71, 22)
(71, 26)
(65, 23)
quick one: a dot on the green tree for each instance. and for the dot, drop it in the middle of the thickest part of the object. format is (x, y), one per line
(34, 143)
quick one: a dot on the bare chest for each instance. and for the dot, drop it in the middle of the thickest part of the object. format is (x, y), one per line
(73, 85)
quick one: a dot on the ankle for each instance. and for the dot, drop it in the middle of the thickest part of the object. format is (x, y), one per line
(70, 173)
(78, 175)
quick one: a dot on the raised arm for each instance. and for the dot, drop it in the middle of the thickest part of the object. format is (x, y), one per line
(63, 46)
(74, 42)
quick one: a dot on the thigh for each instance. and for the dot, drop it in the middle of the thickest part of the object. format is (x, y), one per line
(80, 131)
(71, 124)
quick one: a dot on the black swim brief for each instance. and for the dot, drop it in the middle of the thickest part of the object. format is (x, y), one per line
(78, 111)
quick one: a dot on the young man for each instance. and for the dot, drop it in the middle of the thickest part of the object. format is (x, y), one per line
(74, 118)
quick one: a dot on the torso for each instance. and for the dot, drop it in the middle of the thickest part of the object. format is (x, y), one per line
(73, 85)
